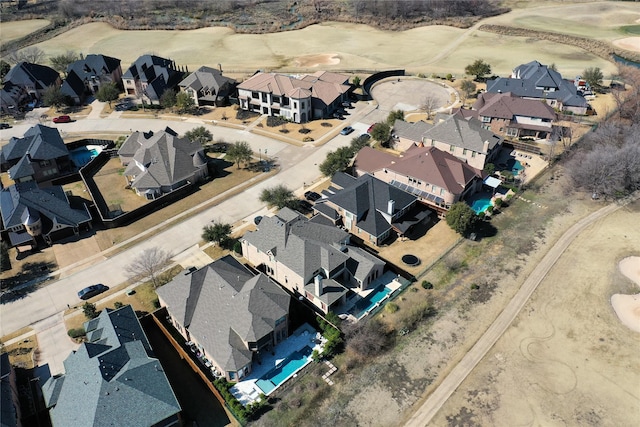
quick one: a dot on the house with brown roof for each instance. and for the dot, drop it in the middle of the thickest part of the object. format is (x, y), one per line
(437, 178)
(465, 138)
(297, 98)
(507, 114)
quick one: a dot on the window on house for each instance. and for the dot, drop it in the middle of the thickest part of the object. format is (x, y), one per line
(452, 148)
(464, 151)
(485, 119)
(473, 154)
(255, 95)
(295, 104)
(303, 105)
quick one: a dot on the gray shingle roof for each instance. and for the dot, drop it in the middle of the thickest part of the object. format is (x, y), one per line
(50, 202)
(410, 131)
(361, 262)
(508, 106)
(112, 383)
(465, 133)
(528, 81)
(207, 79)
(224, 305)
(94, 65)
(73, 86)
(22, 169)
(41, 142)
(368, 199)
(25, 73)
(167, 158)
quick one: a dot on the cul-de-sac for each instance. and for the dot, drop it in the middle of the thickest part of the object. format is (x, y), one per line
(319, 213)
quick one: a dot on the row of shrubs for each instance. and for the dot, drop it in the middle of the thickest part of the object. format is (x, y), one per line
(241, 412)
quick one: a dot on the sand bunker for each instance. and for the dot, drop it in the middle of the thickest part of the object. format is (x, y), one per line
(629, 43)
(310, 61)
(627, 307)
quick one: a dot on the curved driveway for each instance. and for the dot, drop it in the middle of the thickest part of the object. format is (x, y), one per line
(432, 405)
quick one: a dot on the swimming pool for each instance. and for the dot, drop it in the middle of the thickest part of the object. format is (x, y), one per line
(514, 166)
(480, 203)
(82, 155)
(287, 368)
(367, 304)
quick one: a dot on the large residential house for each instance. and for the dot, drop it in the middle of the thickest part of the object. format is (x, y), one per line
(40, 155)
(159, 163)
(369, 208)
(231, 315)
(150, 76)
(207, 86)
(297, 98)
(536, 81)
(465, 138)
(24, 83)
(435, 177)
(310, 259)
(86, 75)
(112, 379)
(29, 212)
(507, 114)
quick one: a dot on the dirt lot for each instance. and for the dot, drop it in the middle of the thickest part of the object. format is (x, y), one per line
(554, 365)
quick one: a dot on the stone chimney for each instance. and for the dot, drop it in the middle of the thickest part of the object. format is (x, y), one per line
(317, 281)
(391, 204)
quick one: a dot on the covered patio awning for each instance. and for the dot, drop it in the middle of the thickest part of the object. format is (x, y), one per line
(411, 218)
(492, 182)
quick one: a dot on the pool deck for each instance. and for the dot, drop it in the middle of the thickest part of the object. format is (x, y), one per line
(247, 391)
(388, 279)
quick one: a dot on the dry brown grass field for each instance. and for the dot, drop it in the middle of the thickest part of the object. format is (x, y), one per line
(10, 31)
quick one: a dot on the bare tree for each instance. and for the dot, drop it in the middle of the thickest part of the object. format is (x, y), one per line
(149, 264)
(32, 55)
(429, 103)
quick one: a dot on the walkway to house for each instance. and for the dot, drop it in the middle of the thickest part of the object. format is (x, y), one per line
(248, 391)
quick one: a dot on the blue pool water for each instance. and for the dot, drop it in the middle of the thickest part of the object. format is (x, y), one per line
(514, 166)
(82, 155)
(365, 305)
(480, 203)
(292, 364)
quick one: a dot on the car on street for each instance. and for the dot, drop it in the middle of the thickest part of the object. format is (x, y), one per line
(371, 128)
(347, 104)
(346, 131)
(5, 125)
(312, 196)
(365, 136)
(92, 291)
(62, 119)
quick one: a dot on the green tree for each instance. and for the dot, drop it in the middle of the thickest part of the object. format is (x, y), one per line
(108, 92)
(53, 97)
(381, 132)
(489, 168)
(168, 98)
(336, 161)
(593, 76)
(239, 152)
(356, 81)
(184, 103)
(61, 62)
(395, 115)
(478, 68)
(5, 67)
(461, 218)
(467, 87)
(278, 196)
(219, 233)
(89, 310)
(199, 134)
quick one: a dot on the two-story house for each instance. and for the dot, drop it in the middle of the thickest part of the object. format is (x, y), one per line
(86, 75)
(297, 98)
(309, 259)
(536, 81)
(465, 138)
(150, 76)
(207, 86)
(26, 82)
(369, 208)
(112, 379)
(507, 114)
(40, 156)
(158, 163)
(437, 178)
(229, 314)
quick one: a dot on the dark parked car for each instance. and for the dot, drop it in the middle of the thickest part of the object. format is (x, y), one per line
(257, 219)
(312, 196)
(346, 131)
(5, 125)
(92, 291)
(305, 206)
(62, 119)
(347, 105)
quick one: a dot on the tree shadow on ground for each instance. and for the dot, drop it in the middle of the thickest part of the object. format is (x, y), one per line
(29, 279)
(484, 229)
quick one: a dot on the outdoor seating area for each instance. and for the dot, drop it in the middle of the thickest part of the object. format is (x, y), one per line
(271, 370)
(202, 359)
